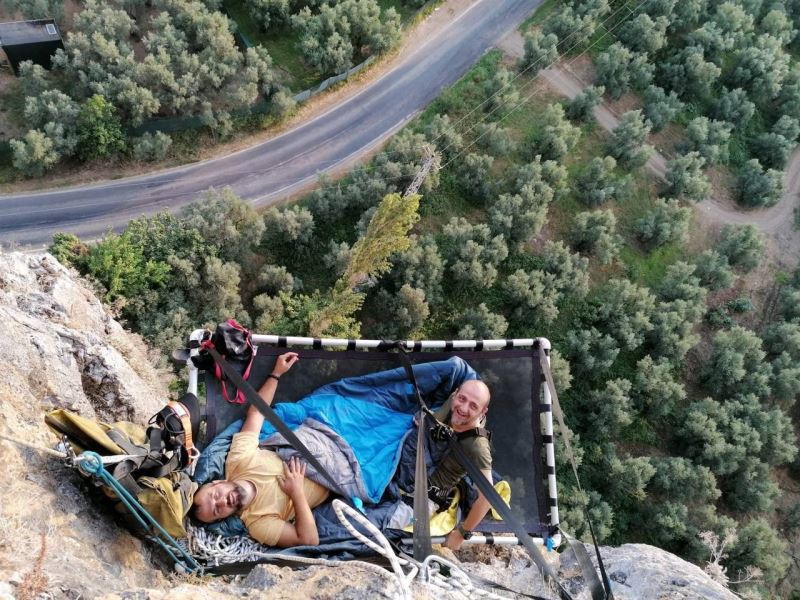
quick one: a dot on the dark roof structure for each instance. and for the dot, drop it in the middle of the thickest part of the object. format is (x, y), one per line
(30, 40)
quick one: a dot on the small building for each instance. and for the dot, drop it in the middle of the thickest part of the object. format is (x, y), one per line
(36, 41)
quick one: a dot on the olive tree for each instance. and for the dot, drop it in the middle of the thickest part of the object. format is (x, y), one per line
(666, 223)
(541, 49)
(581, 106)
(709, 139)
(655, 390)
(774, 147)
(681, 282)
(644, 34)
(713, 270)
(758, 186)
(474, 253)
(735, 107)
(421, 266)
(737, 365)
(685, 177)
(688, 73)
(619, 69)
(34, 154)
(534, 294)
(742, 245)
(595, 232)
(151, 147)
(625, 311)
(608, 409)
(660, 107)
(556, 136)
(570, 271)
(402, 313)
(480, 323)
(761, 67)
(590, 352)
(496, 140)
(501, 93)
(596, 184)
(627, 141)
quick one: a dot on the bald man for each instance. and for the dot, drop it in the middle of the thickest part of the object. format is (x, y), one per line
(465, 412)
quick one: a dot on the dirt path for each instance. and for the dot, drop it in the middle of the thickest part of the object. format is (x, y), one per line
(777, 222)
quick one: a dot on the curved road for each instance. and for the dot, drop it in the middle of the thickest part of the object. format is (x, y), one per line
(274, 169)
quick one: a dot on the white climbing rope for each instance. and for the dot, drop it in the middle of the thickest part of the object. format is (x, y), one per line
(218, 550)
(428, 572)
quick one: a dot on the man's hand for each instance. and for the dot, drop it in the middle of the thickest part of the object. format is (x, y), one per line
(453, 540)
(291, 482)
(284, 362)
(304, 530)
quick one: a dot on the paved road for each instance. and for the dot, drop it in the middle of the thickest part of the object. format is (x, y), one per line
(271, 170)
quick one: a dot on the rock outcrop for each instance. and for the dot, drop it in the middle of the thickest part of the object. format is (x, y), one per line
(61, 348)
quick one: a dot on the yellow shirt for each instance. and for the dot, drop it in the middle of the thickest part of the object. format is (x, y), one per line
(271, 508)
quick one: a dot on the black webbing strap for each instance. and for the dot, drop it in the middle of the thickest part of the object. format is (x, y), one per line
(474, 432)
(487, 490)
(600, 591)
(423, 547)
(508, 517)
(281, 427)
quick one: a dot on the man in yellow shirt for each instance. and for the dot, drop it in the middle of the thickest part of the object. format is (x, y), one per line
(267, 493)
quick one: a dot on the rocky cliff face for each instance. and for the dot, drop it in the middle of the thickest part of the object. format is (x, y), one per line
(60, 348)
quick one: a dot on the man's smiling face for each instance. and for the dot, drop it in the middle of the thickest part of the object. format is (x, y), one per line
(218, 500)
(469, 404)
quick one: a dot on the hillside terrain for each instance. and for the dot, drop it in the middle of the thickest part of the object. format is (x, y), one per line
(65, 350)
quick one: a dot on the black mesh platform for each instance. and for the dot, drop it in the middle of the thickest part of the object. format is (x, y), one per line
(514, 416)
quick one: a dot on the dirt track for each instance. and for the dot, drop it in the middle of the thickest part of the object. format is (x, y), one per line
(776, 222)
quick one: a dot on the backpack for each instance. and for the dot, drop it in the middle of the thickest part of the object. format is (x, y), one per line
(154, 468)
(235, 344)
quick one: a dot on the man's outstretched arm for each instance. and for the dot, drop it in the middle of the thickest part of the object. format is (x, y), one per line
(254, 420)
(476, 514)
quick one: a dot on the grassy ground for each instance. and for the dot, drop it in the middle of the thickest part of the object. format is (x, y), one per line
(7, 171)
(281, 42)
(545, 9)
(405, 11)
(11, 115)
